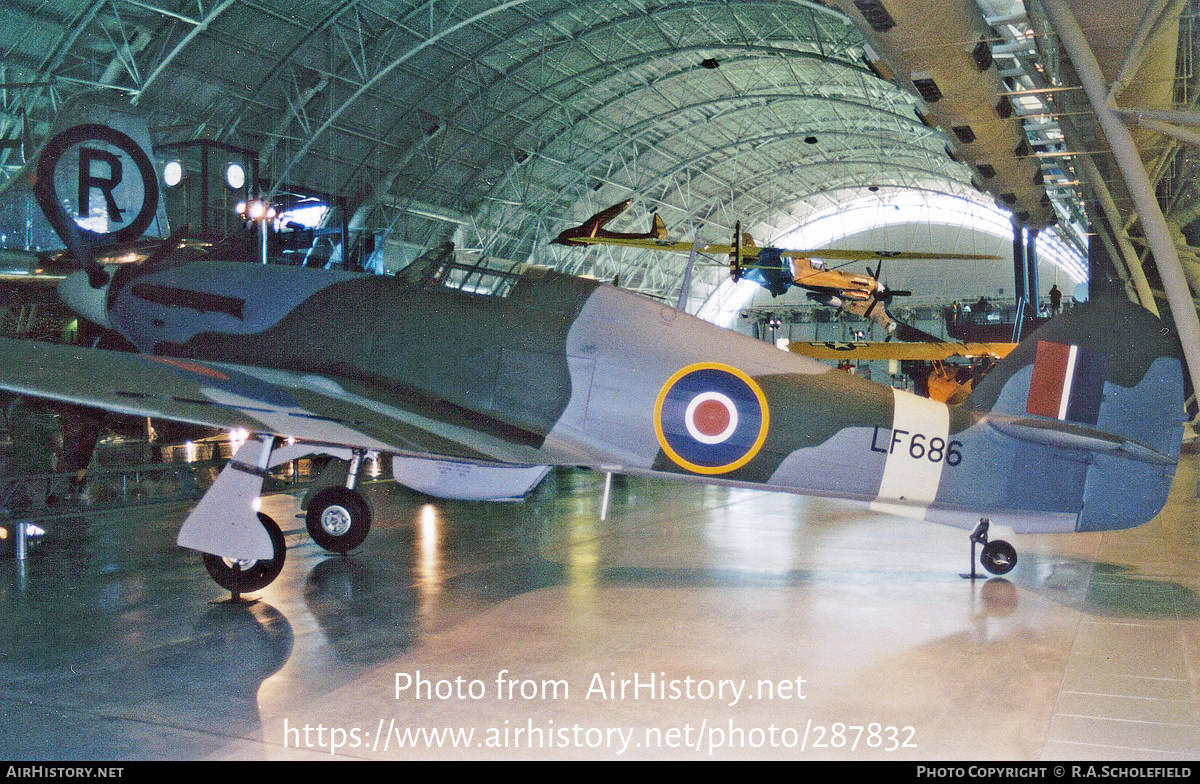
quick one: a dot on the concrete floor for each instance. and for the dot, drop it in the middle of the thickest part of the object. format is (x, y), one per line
(754, 625)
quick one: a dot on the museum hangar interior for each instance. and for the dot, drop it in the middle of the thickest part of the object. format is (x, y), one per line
(984, 148)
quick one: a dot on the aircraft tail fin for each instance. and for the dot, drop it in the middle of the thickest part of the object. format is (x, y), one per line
(99, 151)
(658, 229)
(911, 334)
(1105, 378)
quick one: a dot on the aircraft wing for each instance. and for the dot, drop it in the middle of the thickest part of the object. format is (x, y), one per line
(928, 352)
(38, 280)
(225, 396)
(752, 251)
(675, 246)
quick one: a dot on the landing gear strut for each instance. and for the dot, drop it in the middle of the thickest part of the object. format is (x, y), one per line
(252, 544)
(998, 557)
(339, 518)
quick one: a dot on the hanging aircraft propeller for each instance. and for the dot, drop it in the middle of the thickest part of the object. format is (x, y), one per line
(881, 293)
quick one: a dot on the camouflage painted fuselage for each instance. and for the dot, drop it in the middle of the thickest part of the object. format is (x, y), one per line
(568, 371)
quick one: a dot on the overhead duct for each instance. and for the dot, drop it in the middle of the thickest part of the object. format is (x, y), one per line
(953, 72)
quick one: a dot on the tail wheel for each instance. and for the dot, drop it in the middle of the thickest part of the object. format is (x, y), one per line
(250, 574)
(338, 519)
(998, 557)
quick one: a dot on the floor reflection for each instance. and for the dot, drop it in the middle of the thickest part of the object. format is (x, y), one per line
(1103, 589)
(206, 678)
(115, 644)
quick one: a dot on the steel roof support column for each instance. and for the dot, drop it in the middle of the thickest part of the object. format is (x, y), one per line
(1032, 291)
(1133, 263)
(1131, 270)
(1154, 225)
(1154, 16)
(1018, 249)
(1024, 298)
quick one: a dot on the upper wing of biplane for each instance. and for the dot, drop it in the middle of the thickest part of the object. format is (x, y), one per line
(752, 251)
(592, 232)
(927, 351)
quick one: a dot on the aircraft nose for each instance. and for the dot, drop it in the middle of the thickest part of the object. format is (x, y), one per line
(89, 303)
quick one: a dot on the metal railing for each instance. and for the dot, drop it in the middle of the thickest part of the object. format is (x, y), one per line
(23, 520)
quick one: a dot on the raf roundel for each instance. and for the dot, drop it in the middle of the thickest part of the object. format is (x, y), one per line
(711, 418)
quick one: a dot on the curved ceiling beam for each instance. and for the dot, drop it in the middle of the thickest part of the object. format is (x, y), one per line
(43, 80)
(631, 132)
(835, 184)
(771, 139)
(335, 114)
(601, 30)
(329, 19)
(515, 69)
(757, 51)
(619, 67)
(445, 80)
(70, 34)
(746, 102)
(546, 21)
(187, 39)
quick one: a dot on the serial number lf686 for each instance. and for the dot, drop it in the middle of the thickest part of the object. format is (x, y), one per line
(919, 446)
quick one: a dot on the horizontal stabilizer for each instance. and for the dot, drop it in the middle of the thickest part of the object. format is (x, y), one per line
(1071, 436)
(1108, 365)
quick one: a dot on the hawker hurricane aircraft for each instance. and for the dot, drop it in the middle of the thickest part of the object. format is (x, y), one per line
(775, 269)
(1078, 429)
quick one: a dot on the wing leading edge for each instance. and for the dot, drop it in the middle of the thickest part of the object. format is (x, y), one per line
(225, 396)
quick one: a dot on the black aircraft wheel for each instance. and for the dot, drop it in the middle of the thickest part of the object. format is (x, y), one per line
(338, 519)
(249, 574)
(998, 557)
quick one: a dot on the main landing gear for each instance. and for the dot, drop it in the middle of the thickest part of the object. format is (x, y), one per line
(244, 550)
(998, 556)
(249, 574)
(339, 518)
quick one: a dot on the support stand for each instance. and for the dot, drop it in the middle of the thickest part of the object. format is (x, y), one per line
(978, 536)
(22, 543)
(235, 593)
(604, 500)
